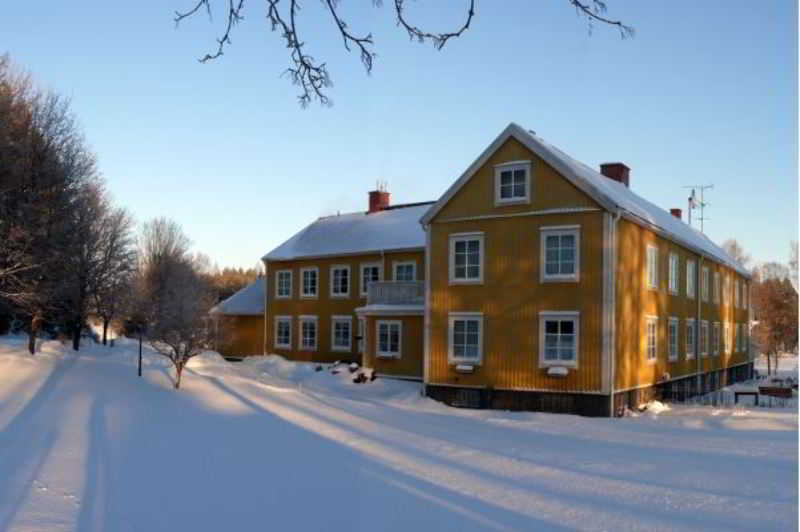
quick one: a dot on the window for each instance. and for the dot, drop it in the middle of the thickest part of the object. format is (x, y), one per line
(560, 253)
(673, 273)
(727, 292)
(691, 277)
(309, 282)
(652, 338)
(283, 332)
(704, 284)
(389, 338)
(341, 333)
(672, 339)
(717, 286)
(405, 271)
(465, 338)
(652, 267)
(340, 281)
(745, 338)
(362, 331)
(283, 284)
(512, 182)
(736, 294)
(308, 333)
(369, 273)
(466, 258)
(744, 295)
(690, 332)
(727, 338)
(715, 339)
(703, 338)
(558, 338)
(737, 337)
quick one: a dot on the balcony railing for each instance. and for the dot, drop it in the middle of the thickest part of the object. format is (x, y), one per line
(396, 293)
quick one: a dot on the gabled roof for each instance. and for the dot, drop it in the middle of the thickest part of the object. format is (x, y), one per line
(249, 301)
(610, 194)
(395, 228)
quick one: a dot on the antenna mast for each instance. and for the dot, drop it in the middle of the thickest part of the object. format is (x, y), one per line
(702, 204)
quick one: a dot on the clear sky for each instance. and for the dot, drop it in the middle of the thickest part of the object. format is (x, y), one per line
(705, 93)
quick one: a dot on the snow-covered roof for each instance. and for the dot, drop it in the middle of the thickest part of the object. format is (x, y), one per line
(249, 301)
(611, 194)
(395, 228)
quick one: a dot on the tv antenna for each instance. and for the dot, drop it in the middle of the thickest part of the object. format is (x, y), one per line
(701, 204)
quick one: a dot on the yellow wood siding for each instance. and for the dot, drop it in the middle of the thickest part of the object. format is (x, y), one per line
(240, 335)
(324, 306)
(410, 362)
(635, 301)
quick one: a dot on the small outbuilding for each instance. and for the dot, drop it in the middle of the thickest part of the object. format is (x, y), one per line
(239, 322)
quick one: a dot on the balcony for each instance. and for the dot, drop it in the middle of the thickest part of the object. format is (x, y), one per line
(396, 293)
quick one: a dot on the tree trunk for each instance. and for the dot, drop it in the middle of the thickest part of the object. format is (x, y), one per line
(178, 373)
(769, 364)
(76, 336)
(36, 323)
(105, 330)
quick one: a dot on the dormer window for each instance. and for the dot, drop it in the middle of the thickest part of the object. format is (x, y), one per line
(512, 182)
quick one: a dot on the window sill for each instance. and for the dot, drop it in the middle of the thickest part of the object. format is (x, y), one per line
(309, 297)
(466, 281)
(552, 279)
(340, 296)
(557, 363)
(283, 297)
(285, 346)
(342, 349)
(387, 356)
(514, 201)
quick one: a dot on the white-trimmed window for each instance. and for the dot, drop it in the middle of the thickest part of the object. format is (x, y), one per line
(652, 267)
(691, 277)
(404, 270)
(370, 272)
(672, 338)
(703, 338)
(715, 339)
(674, 273)
(362, 331)
(651, 332)
(727, 338)
(704, 284)
(745, 292)
(690, 333)
(388, 338)
(341, 333)
(512, 182)
(340, 280)
(283, 284)
(465, 338)
(717, 286)
(308, 333)
(283, 332)
(309, 282)
(559, 334)
(560, 253)
(466, 258)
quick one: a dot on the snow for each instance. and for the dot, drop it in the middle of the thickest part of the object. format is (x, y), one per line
(391, 229)
(249, 301)
(272, 444)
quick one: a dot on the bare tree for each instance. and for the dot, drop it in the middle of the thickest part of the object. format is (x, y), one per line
(793, 262)
(312, 76)
(177, 297)
(736, 252)
(776, 312)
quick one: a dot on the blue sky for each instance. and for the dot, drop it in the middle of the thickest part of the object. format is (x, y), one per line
(705, 93)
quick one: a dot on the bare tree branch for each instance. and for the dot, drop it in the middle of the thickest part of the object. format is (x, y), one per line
(595, 11)
(438, 39)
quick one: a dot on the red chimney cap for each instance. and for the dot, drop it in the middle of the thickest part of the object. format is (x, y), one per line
(616, 171)
(677, 213)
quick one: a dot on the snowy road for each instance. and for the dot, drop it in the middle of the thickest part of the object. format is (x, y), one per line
(85, 445)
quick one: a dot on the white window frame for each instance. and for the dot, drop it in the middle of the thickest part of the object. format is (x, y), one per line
(560, 315)
(466, 237)
(397, 263)
(341, 295)
(452, 317)
(648, 348)
(278, 294)
(362, 286)
(673, 272)
(691, 324)
(691, 279)
(559, 230)
(715, 339)
(342, 319)
(303, 294)
(651, 259)
(300, 320)
(388, 354)
(512, 166)
(702, 338)
(672, 350)
(362, 332)
(705, 280)
(717, 286)
(283, 319)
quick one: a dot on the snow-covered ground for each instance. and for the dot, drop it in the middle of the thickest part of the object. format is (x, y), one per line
(271, 445)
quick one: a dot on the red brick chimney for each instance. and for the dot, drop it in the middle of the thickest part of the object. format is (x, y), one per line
(677, 213)
(378, 200)
(617, 172)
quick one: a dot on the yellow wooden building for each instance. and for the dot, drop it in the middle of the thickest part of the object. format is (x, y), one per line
(534, 282)
(239, 322)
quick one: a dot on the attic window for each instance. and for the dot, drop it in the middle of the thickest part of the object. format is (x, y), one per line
(512, 182)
